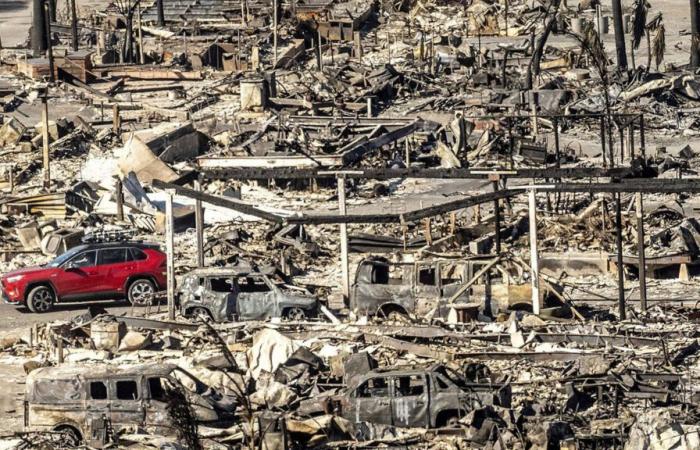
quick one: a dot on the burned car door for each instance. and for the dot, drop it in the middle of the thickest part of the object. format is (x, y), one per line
(127, 405)
(97, 412)
(157, 416)
(219, 297)
(371, 402)
(427, 288)
(410, 401)
(378, 283)
(257, 298)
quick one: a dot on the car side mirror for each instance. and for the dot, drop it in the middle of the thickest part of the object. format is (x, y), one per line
(71, 266)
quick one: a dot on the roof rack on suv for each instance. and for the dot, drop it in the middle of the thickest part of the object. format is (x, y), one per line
(109, 236)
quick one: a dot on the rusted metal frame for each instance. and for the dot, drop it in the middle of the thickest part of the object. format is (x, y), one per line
(406, 217)
(639, 185)
(265, 173)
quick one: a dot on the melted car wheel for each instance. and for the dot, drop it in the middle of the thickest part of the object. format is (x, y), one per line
(200, 314)
(141, 292)
(295, 314)
(40, 299)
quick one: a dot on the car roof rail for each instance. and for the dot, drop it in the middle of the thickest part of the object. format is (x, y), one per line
(110, 236)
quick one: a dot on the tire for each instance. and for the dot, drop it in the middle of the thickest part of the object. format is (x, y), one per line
(40, 299)
(295, 314)
(140, 291)
(199, 313)
(70, 436)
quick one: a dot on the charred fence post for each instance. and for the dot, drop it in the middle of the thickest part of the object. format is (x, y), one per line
(161, 13)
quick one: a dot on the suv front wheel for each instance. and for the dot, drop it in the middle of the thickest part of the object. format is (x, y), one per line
(141, 292)
(40, 299)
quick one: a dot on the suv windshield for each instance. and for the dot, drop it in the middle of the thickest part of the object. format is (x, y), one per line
(60, 259)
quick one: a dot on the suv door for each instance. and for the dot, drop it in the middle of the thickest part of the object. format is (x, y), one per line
(256, 298)
(97, 412)
(127, 404)
(427, 288)
(372, 401)
(114, 266)
(410, 402)
(218, 297)
(79, 275)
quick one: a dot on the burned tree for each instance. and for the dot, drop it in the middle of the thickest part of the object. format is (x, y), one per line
(551, 18)
(128, 9)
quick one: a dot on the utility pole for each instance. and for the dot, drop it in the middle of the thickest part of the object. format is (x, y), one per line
(45, 123)
(534, 259)
(695, 34)
(74, 25)
(169, 251)
(161, 13)
(619, 34)
(38, 27)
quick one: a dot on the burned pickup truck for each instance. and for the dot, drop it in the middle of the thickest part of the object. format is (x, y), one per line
(87, 403)
(422, 397)
(234, 294)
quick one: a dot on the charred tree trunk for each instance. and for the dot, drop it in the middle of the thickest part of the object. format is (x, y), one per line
(128, 47)
(538, 52)
(38, 27)
(695, 34)
(161, 13)
(619, 35)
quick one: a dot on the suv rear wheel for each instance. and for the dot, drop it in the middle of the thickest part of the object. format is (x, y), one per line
(295, 314)
(199, 314)
(140, 291)
(40, 299)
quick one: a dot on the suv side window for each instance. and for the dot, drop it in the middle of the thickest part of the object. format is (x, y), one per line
(409, 386)
(137, 254)
(84, 259)
(127, 390)
(111, 256)
(252, 284)
(374, 387)
(98, 390)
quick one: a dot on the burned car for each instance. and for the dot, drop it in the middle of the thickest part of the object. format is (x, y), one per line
(232, 294)
(85, 402)
(430, 397)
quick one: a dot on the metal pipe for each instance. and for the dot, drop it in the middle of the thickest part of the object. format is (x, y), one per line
(49, 46)
(161, 13)
(170, 249)
(74, 26)
(694, 34)
(344, 260)
(199, 225)
(497, 219)
(534, 260)
(45, 134)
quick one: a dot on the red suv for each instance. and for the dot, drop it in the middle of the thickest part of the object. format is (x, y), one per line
(89, 272)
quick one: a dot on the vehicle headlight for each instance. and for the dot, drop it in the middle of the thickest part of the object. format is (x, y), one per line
(14, 278)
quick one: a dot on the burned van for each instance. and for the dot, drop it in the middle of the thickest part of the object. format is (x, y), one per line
(86, 402)
(385, 288)
(233, 294)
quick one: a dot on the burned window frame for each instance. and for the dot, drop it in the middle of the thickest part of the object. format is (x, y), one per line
(114, 389)
(389, 387)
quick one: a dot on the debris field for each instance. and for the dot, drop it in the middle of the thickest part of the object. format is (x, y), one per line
(329, 224)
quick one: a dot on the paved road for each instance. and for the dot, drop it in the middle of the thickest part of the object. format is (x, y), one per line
(14, 317)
